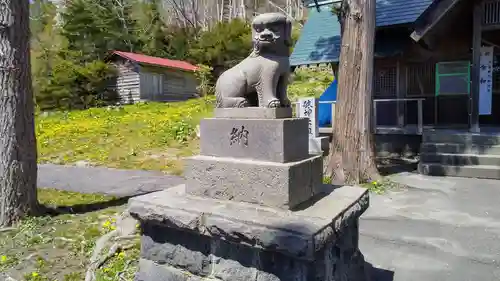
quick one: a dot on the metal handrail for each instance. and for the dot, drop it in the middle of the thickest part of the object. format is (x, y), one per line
(329, 101)
(396, 99)
(377, 101)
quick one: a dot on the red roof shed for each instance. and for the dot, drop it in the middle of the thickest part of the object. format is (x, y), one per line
(147, 78)
(139, 58)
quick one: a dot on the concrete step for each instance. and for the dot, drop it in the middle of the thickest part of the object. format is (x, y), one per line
(469, 171)
(460, 148)
(484, 139)
(460, 159)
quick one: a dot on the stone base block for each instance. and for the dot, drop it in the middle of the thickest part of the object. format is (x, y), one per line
(281, 185)
(319, 145)
(254, 113)
(190, 238)
(275, 140)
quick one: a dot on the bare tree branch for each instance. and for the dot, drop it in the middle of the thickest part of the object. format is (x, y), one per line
(121, 17)
(282, 10)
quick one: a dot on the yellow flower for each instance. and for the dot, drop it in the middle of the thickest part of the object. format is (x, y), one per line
(34, 274)
(3, 258)
(121, 254)
(106, 224)
(374, 183)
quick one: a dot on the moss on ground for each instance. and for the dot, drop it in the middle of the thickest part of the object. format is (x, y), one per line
(58, 247)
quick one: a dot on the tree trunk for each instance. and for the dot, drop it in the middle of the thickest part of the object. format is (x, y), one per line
(18, 155)
(352, 157)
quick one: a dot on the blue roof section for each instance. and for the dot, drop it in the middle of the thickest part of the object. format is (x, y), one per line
(392, 12)
(319, 41)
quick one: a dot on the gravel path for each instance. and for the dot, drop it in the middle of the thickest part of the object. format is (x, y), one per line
(103, 180)
(440, 229)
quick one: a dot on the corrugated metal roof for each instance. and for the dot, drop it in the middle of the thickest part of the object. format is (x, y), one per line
(392, 12)
(177, 64)
(319, 40)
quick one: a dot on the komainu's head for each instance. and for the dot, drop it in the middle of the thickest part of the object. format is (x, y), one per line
(272, 33)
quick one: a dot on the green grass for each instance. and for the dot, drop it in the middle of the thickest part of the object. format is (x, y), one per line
(59, 247)
(147, 136)
(377, 187)
(383, 186)
(151, 136)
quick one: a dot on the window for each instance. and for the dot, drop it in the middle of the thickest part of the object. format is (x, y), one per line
(491, 13)
(385, 87)
(420, 79)
(453, 78)
(385, 84)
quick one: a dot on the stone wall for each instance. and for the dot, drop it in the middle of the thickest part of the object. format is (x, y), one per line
(170, 254)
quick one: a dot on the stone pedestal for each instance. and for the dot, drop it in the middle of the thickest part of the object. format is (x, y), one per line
(192, 238)
(281, 185)
(253, 208)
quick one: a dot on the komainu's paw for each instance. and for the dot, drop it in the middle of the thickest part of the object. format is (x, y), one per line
(243, 103)
(275, 103)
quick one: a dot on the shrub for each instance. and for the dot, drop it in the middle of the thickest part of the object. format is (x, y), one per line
(223, 46)
(205, 80)
(70, 85)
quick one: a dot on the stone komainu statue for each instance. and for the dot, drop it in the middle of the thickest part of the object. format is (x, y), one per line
(260, 79)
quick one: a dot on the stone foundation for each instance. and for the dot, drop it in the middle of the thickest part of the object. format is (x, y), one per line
(253, 208)
(190, 238)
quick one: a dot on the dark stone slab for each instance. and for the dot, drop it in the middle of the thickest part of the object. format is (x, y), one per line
(152, 271)
(275, 140)
(281, 185)
(186, 251)
(297, 234)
